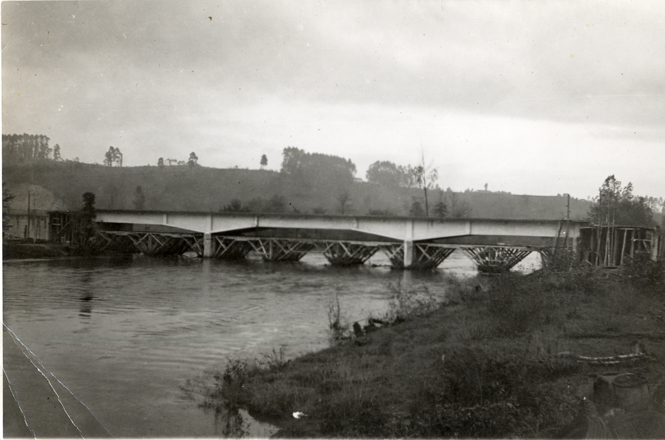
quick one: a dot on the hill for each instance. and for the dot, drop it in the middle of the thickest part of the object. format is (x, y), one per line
(184, 188)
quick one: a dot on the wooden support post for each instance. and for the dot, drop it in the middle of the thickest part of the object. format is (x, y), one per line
(207, 245)
(623, 246)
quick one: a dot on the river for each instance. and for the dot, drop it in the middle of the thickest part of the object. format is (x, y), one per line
(134, 337)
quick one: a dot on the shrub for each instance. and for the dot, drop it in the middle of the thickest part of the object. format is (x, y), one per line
(407, 301)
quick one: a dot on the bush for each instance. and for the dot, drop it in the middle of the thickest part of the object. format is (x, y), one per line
(407, 301)
(642, 271)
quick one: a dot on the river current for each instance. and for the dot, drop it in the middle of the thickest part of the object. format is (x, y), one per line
(134, 337)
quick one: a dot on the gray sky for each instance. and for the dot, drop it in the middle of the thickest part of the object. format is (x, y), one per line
(536, 97)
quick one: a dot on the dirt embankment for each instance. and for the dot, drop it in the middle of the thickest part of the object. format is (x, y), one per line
(517, 358)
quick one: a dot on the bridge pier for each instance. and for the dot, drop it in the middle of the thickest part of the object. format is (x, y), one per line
(495, 259)
(207, 245)
(408, 254)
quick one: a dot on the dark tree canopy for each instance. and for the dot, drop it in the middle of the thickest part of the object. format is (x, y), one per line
(234, 205)
(56, 153)
(322, 167)
(88, 208)
(416, 209)
(615, 205)
(6, 198)
(139, 198)
(264, 160)
(440, 210)
(25, 147)
(387, 173)
(113, 157)
(193, 159)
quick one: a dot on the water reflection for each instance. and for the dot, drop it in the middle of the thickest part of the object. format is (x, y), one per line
(229, 423)
(85, 307)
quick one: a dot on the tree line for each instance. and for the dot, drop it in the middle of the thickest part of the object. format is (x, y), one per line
(316, 166)
(616, 205)
(28, 147)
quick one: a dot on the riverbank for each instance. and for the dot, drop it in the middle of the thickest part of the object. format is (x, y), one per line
(515, 359)
(26, 249)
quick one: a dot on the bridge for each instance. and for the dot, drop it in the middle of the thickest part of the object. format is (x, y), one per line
(495, 245)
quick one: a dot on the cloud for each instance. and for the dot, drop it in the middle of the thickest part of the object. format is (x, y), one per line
(234, 78)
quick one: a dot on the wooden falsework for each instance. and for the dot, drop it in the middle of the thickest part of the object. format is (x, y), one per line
(611, 246)
(277, 249)
(342, 253)
(159, 244)
(426, 255)
(496, 259)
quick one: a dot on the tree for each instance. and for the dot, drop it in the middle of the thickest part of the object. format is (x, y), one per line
(6, 198)
(160, 162)
(385, 173)
(86, 222)
(344, 200)
(234, 205)
(426, 177)
(193, 159)
(275, 204)
(139, 198)
(113, 157)
(615, 205)
(264, 161)
(56, 153)
(458, 208)
(440, 210)
(416, 209)
(317, 167)
(117, 157)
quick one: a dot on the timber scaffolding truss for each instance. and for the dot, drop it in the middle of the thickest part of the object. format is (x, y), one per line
(489, 259)
(148, 243)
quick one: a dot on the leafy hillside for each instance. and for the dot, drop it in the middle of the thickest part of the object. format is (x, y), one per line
(196, 188)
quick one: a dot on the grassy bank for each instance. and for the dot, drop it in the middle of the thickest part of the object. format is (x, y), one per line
(500, 361)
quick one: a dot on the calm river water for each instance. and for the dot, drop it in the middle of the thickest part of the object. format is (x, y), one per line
(132, 336)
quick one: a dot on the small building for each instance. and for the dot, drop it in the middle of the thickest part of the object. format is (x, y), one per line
(24, 224)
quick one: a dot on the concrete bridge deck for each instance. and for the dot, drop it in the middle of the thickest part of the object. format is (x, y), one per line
(405, 238)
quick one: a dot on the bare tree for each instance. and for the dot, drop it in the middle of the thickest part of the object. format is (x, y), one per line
(344, 200)
(458, 208)
(426, 177)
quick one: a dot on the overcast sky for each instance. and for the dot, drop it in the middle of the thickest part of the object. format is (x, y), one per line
(531, 97)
